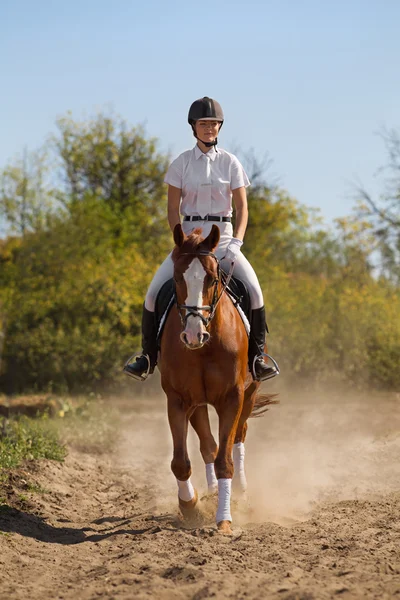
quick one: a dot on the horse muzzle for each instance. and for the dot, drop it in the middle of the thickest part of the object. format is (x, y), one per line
(194, 340)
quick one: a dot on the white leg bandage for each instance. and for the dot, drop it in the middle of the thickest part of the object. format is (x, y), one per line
(224, 500)
(185, 490)
(238, 464)
(212, 482)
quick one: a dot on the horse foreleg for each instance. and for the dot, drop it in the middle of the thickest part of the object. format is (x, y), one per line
(208, 447)
(239, 477)
(180, 464)
(229, 414)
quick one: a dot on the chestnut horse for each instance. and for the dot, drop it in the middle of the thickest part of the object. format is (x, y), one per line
(204, 361)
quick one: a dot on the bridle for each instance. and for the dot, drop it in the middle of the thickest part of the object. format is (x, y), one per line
(195, 311)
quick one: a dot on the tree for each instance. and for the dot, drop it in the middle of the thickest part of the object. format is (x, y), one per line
(383, 213)
(74, 274)
(105, 158)
(26, 196)
(74, 280)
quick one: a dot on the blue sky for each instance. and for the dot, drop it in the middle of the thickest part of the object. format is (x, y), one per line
(308, 82)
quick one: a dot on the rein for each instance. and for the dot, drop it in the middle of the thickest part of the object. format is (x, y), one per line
(195, 311)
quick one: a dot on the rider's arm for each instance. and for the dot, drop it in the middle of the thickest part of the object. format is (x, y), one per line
(239, 198)
(174, 200)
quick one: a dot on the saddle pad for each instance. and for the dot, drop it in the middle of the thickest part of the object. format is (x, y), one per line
(237, 292)
(164, 302)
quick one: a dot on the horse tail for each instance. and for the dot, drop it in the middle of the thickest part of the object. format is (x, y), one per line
(262, 401)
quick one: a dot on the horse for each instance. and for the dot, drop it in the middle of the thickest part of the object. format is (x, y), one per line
(204, 361)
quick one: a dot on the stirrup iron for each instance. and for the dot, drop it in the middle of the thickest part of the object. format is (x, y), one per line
(130, 360)
(253, 370)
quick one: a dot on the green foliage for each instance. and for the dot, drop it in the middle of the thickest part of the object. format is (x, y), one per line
(75, 310)
(286, 236)
(71, 293)
(27, 439)
(106, 159)
(73, 280)
(25, 193)
(335, 329)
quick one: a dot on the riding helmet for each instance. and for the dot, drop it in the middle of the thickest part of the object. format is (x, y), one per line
(205, 109)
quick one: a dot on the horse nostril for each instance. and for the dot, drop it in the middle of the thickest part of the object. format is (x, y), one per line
(204, 337)
(184, 338)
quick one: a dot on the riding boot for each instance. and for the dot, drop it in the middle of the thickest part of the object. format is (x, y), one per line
(258, 368)
(146, 362)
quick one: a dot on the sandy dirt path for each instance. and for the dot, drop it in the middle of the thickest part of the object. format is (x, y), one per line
(323, 521)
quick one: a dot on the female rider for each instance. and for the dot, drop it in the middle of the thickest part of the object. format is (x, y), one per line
(202, 183)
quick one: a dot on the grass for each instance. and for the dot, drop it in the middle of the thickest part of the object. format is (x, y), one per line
(86, 423)
(35, 488)
(22, 438)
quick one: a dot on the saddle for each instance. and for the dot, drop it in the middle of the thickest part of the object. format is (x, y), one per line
(236, 290)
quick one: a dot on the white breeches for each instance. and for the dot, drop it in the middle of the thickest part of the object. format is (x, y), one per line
(243, 269)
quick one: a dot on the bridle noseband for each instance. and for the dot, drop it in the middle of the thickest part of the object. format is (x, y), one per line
(195, 311)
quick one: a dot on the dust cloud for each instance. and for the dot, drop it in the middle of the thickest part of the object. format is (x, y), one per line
(322, 517)
(312, 449)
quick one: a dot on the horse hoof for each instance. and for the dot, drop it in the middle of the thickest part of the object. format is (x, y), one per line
(187, 507)
(224, 527)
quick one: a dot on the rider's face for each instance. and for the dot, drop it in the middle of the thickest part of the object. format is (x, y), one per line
(207, 131)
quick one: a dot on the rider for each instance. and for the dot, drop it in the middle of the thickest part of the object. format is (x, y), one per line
(202, 183)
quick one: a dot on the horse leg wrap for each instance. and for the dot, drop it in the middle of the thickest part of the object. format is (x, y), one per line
(212, 482)
(238, 464)
(224, 500)
(185, 490)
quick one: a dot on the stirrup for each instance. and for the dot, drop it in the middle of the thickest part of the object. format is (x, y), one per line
(273, 374)
(130, 361)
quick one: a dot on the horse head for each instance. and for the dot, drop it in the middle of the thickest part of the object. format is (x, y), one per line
(197, 279)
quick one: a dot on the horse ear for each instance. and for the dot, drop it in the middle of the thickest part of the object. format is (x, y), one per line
(179, 236)
(212, 239)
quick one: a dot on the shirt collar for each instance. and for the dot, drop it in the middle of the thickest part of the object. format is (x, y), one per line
(212, 153)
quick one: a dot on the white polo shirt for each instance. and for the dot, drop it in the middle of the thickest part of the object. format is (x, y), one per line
(206, 181)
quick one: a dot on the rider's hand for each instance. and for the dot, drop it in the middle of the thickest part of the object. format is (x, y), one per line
(233, 250)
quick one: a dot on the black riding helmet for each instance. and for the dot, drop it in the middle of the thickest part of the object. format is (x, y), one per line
(205, 109)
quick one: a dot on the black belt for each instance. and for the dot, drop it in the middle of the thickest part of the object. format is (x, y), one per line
(208, 218)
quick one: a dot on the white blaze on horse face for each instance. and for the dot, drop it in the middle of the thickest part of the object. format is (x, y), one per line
(193, 335)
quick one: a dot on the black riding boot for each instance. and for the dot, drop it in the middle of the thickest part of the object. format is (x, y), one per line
(141, 367)
(258, 368)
